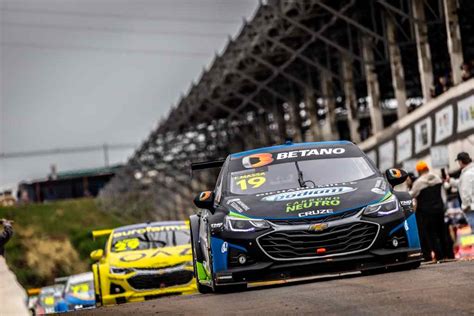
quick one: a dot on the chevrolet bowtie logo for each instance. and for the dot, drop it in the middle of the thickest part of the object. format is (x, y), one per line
(317, 227)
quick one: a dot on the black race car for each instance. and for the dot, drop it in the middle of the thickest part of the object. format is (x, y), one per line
(300, 209)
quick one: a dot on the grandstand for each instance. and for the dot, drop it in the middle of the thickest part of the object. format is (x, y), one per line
(382, 73)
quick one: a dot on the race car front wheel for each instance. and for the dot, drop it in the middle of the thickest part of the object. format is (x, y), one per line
(203, 289)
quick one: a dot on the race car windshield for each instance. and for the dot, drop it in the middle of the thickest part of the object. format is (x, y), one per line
(82, 289)
(149, 240)
(47, 296)
(281, 176)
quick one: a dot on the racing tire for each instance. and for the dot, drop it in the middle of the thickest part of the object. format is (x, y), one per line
(203, 289)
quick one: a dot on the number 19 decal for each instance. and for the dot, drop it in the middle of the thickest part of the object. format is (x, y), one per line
(255, 182)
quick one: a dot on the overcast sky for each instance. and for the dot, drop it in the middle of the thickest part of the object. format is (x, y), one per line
(88, 72)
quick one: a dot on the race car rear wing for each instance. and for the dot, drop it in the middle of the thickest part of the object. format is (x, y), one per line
(100, 233)
(207, 164)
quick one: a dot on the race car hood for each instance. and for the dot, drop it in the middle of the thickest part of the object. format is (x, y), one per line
(309, 202)
(151, 258)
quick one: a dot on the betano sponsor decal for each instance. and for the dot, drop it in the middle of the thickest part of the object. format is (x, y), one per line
(257, 160)
(310, 203)
(310, 152)
(263, 159)
(308, 193)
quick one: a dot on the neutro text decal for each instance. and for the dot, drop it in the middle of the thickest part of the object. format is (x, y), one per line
(308, 193)
(310, 203)
(310, 152)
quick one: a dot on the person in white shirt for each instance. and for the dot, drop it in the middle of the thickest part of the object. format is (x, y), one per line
(465, 185)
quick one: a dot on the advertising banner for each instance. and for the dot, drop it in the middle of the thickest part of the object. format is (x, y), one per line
(404, 145)
(423, 135)
(410, 165)
(444, 123)
(439, 156)
(466, 114)
(386, 155)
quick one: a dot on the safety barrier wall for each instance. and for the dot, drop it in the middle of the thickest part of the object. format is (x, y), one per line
(436, 132)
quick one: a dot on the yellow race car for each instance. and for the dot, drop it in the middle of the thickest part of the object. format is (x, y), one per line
(142, 262)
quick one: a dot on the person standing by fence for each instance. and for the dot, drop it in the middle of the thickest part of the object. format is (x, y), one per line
(465, 185)
(430, 211)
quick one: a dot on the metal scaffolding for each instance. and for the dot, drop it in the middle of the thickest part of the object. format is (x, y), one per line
(303, 69)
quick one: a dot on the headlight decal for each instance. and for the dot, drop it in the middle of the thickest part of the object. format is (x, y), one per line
(386, 207)
(120, 271)
(244, 225)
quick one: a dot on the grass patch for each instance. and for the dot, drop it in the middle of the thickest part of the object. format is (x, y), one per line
(53, 239)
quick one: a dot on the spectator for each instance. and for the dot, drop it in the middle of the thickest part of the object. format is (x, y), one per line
(466, 71)
(5, 235)
(465, 185)
(430, 212)
(442, 85)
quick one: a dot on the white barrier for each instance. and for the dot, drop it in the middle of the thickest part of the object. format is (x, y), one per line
(12, 295)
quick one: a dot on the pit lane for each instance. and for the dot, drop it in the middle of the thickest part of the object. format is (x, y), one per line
(432, 289)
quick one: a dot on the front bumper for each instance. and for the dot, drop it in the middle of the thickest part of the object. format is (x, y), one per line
(141, 286)
(349, 244)
(265, 271)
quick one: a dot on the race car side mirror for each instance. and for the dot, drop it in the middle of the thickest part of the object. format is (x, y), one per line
(96, 255)
(205, 200)
(396, 176)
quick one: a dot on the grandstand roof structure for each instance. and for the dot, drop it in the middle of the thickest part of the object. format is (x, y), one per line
(309, 70)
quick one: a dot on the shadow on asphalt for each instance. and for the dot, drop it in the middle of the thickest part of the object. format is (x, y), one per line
(326, 278)
(291, 282)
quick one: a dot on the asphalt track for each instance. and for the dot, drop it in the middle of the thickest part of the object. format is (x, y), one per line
(434, 289)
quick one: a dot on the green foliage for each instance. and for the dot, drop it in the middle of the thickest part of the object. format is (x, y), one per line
(71, 220)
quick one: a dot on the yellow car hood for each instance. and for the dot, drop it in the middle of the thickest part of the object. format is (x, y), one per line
(151, 258)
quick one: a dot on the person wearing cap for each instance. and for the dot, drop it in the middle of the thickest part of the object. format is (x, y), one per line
(5, 235)
(430, 211)
(465, 185)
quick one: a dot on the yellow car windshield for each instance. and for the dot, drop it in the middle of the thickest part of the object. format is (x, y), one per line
(149, 239)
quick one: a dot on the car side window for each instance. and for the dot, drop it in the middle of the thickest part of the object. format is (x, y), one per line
(218, 189)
